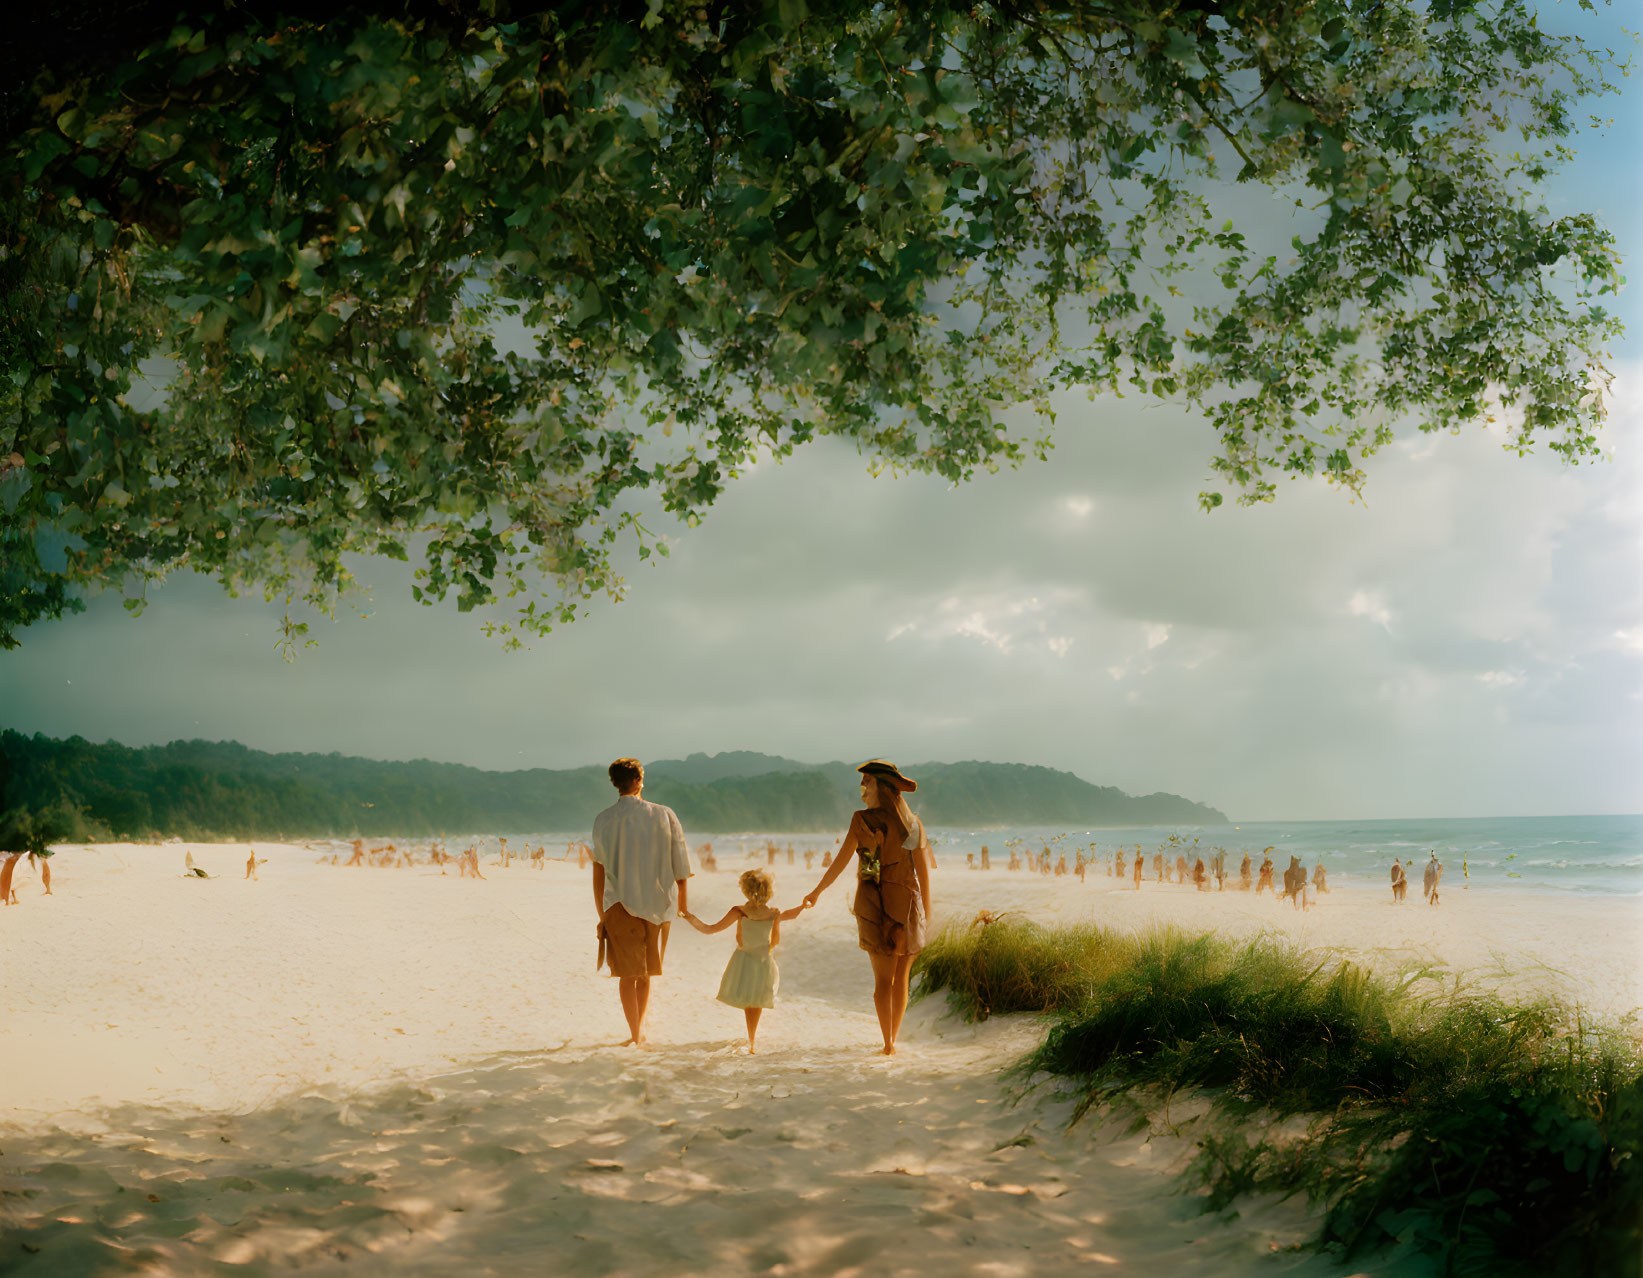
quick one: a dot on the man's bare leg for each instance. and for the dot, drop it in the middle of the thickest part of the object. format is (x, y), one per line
(635, 992)
(752, 1015)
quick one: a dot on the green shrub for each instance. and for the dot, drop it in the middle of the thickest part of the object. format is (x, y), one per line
(1500, 1135)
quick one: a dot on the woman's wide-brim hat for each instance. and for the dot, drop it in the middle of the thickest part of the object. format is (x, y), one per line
(887, 771)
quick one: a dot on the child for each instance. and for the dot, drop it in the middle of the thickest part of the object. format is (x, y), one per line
(751, 977)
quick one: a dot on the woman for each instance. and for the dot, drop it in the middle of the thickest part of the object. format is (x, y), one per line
(892, 905)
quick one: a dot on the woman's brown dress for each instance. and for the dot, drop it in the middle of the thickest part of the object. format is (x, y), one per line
(889, 906)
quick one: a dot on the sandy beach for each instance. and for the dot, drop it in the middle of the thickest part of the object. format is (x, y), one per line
(352, 1068)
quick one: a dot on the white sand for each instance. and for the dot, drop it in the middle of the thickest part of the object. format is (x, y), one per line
(390, 1065)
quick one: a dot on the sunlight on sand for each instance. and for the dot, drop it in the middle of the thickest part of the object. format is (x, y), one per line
(327, 1067)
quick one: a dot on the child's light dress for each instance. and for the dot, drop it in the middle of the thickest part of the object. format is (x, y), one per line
(751, 977)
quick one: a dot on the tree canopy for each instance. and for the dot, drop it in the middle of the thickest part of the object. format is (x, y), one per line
(464, 280)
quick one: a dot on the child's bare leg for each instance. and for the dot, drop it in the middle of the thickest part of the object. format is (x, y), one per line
(752, 1015)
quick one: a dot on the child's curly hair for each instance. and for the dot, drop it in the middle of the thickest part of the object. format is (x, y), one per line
(757, 885)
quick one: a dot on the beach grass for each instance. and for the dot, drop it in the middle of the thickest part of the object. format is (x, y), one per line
(1501, 1136)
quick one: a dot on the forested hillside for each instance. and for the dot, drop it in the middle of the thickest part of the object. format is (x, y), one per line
(78, 790)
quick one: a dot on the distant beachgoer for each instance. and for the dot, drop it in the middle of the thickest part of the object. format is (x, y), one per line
(1015, 861)
(1243, 874)
(1399, 884)
(1295, 882)
(251, 865)
(1465, 874)
(809, 857)
(969, 860)
(827, 859)
(1061, 865)
(1220, 864)
(40, 858)
(1140, 865)
(1265, 879)
(1181, 873)
(1431, 878)
(1320, 879)
(1082, 866)
(892, 905)
(1120, 863)
(986, 858)
(1159, 871)
(468, 864)
(359, 854)
(1199, 877)
(8, 894)
(640, 868)
(751, 977)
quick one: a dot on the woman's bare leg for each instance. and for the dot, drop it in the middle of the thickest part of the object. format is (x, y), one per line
(898, 995)
(5, 876)
(45, 873)
(752, 1014)
(884, 983)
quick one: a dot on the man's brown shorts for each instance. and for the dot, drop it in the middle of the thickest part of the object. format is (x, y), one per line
(633, 946)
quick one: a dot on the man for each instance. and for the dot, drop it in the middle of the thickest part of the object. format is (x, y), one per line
(640, 865)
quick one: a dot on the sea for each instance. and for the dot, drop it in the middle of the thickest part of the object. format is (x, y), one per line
(1586, 854)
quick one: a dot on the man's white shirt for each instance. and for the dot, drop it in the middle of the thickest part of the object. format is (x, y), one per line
(642, 847)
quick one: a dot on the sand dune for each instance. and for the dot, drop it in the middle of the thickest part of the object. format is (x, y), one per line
(362, 1069)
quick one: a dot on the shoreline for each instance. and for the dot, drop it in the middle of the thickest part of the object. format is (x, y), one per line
(133, 969)
(441, 1050)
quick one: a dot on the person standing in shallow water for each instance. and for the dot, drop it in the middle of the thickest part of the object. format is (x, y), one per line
(892, 906)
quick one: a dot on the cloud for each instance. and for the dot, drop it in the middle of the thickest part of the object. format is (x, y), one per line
(1371, 604)
(1081, 614)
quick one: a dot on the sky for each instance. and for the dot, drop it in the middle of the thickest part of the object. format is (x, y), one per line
(1467, 640)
